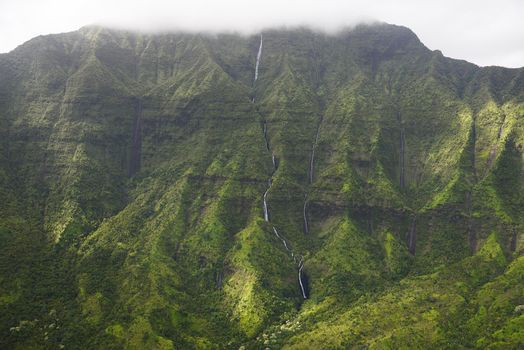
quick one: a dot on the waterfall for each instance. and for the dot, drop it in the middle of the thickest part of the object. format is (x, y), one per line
(300, 263)
(306, 227)
(311, 164)
(259, 54)
(300, 277)
(284, 242)
(311, 174)
(266, 211)
(265, 206)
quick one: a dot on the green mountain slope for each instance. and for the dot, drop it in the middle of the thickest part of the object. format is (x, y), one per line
(361, 192)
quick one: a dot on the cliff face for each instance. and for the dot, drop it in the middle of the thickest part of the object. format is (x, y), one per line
(293, 189)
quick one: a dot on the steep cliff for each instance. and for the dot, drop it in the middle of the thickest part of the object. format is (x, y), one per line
(292, 189)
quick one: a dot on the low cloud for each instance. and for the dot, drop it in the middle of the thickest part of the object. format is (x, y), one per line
(483, 32)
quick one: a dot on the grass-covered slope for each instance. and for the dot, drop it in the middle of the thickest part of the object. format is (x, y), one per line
(133, 169)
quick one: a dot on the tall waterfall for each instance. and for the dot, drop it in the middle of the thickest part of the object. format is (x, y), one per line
(300, 278)
(259, 54)
(299, 262)
(266, 212)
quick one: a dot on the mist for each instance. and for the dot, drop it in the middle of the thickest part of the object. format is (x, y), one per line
(482, 32)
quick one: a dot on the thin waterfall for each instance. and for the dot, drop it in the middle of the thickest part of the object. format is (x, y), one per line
(266, 211)
(311, 175)
(311, 164)
(284, 242)
(301, 278)
(259, 54)
(304, 211)
(300, 263)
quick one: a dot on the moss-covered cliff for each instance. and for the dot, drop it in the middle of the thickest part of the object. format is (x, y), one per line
(134, 168)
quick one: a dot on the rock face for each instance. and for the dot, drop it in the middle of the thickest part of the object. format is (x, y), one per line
(134, 169)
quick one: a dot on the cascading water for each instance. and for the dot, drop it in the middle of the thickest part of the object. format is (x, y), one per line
(266, 212)
(284, 242)
(301, 278)
(306, 226)
(310, 175)
(299, 262)
(257, 64)
(311, 165)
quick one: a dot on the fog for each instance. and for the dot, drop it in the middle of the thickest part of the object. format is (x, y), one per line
(482, 32)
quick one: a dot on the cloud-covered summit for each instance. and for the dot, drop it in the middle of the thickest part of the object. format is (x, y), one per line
(486, 33)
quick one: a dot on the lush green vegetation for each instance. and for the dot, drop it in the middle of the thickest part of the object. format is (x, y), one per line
(132, 170)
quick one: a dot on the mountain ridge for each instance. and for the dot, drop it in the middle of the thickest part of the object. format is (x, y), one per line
(135, 169)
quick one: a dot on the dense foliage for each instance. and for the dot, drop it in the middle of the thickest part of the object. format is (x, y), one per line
(132, 174)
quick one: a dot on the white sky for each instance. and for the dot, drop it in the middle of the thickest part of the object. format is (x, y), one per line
(485, 32)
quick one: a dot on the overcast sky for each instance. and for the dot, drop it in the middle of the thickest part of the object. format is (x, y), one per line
(484, 32)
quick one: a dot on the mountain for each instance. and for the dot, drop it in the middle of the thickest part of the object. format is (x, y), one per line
(291, 189)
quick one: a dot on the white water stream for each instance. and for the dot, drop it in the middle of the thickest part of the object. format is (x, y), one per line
(259, 54)
(300, 262)
(306, 225)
